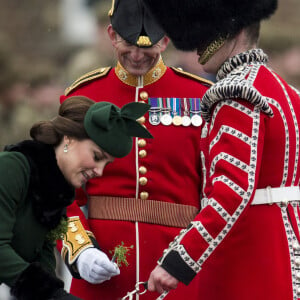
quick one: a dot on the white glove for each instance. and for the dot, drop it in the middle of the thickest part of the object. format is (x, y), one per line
(95, 267)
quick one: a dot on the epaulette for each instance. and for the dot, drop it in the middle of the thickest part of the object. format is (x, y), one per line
(95, 74)
(193, 76)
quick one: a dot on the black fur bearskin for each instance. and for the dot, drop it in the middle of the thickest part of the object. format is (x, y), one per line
(193, 24)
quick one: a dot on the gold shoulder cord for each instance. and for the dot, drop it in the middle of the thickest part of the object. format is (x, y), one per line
(193, 76)
(98, 73)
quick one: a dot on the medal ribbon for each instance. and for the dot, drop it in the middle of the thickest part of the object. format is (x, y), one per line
(195, 105)
(154, 112)
(186, 105)
(176, 106)
(166, 107)
(154, 102)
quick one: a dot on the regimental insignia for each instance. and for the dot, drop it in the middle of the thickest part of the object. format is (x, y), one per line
(144, 41)
(75, 240)
(98, 73)
(175, 111)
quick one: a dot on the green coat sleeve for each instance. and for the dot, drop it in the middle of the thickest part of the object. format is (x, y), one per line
(14, 180)
(47, 258)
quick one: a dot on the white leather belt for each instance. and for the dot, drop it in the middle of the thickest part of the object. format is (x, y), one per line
(271, 195)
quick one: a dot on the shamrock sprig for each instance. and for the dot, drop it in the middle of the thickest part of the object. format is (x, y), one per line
(59, 231)
(119, 254)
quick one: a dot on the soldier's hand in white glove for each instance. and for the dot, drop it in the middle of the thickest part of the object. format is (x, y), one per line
(95, 267)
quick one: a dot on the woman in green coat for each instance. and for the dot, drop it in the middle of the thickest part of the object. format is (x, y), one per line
(37, 182)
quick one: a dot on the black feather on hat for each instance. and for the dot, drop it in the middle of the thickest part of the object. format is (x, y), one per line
(135, 23)
(197, 23)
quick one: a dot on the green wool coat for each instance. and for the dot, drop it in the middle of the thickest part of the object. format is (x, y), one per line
(22, 238)
(33, 197)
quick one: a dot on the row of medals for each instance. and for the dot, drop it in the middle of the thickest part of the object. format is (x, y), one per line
(157, 116)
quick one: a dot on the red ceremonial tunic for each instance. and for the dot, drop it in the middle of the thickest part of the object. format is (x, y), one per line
(237, 250)
(165, 169)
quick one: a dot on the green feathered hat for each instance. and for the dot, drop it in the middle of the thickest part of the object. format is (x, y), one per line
(112, 128)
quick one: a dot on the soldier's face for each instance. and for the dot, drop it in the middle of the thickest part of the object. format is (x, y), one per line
(137, 61)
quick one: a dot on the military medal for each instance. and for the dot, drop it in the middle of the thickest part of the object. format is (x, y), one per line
(186, 120)
(154, 112)
(196, 118)
(175, 102)
(177, 121)
(166, 118)
(154, 116)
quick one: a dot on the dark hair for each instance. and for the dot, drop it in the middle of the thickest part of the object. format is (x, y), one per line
(69, 122)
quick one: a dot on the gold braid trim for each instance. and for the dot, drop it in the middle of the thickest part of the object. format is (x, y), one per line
(98, 73)
(211, 50)
(192, 76)
(150, 77)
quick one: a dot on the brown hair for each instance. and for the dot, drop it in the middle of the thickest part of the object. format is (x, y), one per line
(69, 122)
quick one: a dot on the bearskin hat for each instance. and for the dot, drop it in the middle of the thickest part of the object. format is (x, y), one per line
(135, 23)
(194, 23)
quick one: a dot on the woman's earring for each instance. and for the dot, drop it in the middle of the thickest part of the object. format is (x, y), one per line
(66, 148)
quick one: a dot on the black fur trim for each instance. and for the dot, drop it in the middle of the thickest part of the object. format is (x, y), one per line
(61, 294)
(35, 283)
(195, 24)
(48, 188)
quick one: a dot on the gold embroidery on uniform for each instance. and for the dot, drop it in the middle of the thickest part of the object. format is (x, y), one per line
(156, 73)
(76, 240)
(122, 74)
(153, 75)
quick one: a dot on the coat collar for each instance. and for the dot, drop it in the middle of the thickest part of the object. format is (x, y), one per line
(48, 188)
(152, 76)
